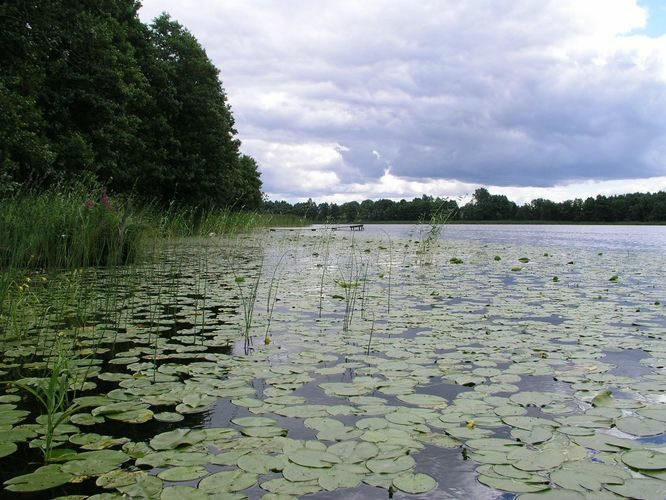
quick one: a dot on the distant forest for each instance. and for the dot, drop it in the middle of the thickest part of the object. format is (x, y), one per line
(90, 94)
(484, 206)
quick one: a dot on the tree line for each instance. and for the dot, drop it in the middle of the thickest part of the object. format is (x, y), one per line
(484, 206)
(90, 93)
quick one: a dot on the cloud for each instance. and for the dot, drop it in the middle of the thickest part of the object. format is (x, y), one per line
(518, 94)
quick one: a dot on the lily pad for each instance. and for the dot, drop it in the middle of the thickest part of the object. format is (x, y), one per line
(414, 483)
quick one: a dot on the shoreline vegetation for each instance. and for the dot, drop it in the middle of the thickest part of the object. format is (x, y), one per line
(483, 208)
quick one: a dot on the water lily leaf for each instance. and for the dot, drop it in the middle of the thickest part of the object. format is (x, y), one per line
(264, 432)
(177, 437)
(143, 487)
(283, 487)
(653, 413)
(228, 458)
(299, 473)
(372, 423)
(354, 451)
(92, 441)
(645, 459)
(497, 444)
(94, 463)
(332, 479)
(605, 442)
(538, 399)
(439, 440)
(642, 489)
(254, 421)
(261, 463)
(640, 426)
(380, 480)
(558, 494)
(513, 485)
(424, 400)
(414, 483)
(168, 416)
(313, 458)
(228, 481)
(7, 448)
(86, 419)
(536, 435)
(536, 460)
(494, 457)
(118, 477)
(187, 473)
(509, 471)
(174, 458)
(390, 465)
(48, 476)
(183, 493)
(528, 423)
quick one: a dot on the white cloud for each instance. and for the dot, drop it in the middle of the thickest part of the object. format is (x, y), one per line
(547, 96)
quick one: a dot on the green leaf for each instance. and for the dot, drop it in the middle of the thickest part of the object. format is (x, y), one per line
(390, 465)
(644, 459)
(183, 493)
(313, 458)
(414, 483)
(44, 478)
(332, 479)
(187, 473)
(228, 481)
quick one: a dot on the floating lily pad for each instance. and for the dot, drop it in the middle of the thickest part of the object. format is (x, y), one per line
(44, 478)
(645, 459)
(228, 482)
(188, 473)
(414, 483)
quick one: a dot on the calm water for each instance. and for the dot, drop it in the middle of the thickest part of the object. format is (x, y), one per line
(600, 238)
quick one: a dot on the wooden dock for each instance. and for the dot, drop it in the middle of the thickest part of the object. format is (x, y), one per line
(348, 227)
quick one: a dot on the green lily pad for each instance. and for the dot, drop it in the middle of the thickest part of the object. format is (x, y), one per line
(143, 487)
(390, 465)
(187, 473)
(281, 486)
(513, 485)
(313, 458)
(7, 448)
(332, 479)
(640, 426)
(254, 421)
(641, 489)
(178, 437)
(183, 493)
(44, 478)
(645, 459)
(261, 463)
(414, 483)
(229, 481)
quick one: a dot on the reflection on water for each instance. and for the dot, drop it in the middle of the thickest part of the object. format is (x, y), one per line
(589, 237)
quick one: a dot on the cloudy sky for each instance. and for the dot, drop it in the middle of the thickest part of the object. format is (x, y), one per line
(344, 99)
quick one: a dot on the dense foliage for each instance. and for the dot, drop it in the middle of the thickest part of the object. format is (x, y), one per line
(90, 93)
(636, 207)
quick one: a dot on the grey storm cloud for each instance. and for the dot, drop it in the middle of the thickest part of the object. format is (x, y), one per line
(494, 92)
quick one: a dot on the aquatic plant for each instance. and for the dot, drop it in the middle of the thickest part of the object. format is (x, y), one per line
(52, 393)
(248, 299)
(430, 231)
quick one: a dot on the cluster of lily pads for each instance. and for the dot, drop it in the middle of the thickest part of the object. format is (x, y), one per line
(480, 359)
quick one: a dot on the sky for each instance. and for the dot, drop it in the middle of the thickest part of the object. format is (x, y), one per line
(342, 100)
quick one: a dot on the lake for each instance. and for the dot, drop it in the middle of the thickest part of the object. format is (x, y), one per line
(478, 361)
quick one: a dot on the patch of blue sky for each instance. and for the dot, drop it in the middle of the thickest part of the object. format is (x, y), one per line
(656, 21)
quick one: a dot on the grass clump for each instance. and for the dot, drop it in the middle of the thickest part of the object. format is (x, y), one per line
(67, 228)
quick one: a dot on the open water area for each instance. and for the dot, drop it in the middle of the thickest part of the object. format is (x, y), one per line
(476, 362)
